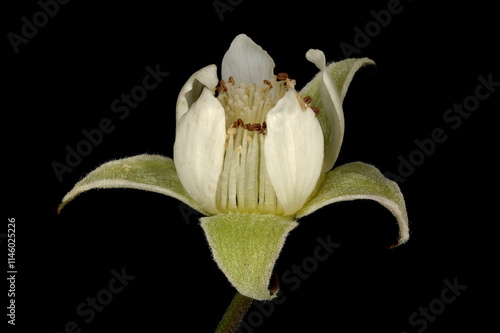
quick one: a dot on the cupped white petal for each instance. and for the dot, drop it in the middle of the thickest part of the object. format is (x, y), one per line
(293, 151)
(332, 104)
(192, 89)
(246, 62)
(199, 149)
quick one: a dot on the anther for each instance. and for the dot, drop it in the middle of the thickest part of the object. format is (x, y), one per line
(263, 129)
(231, 80)
(289, 83)
(254, 127)
(221, 86)
(268, 83)
(315, 110)
(282, 76)
(307, 100)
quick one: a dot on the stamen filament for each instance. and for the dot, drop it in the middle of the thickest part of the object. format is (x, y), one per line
(244, 184)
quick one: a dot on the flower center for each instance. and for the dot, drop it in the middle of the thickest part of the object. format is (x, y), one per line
(244, 184)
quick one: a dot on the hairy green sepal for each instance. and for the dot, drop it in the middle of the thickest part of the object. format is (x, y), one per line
(152, 173)
(359, 180)
(341, 73)
(245, 246)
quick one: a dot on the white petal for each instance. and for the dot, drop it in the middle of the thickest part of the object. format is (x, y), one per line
(293, 151)
(246, 62)
(332, 104)
(191, 91)
(317, 57)
(199, 149)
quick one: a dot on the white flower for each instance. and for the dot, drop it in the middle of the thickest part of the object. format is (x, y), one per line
(251, 143)
(254, 155)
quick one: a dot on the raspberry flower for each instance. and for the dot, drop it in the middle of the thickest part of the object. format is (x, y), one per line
(255, 155)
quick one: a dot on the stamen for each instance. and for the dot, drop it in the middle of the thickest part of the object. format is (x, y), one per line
(289, 84)
(244, 184)
(255, 127)
(282, 76)
(307, 100)
(263, 129)
(302, 102)
(315, 110)
(241, 123)
(221, 87)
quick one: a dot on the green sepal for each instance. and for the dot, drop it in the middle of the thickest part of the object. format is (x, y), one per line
(152, 173)
(341, 73)
(246, 246)
(359, 180)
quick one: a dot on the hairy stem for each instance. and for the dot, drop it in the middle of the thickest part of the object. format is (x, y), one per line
(234, 314)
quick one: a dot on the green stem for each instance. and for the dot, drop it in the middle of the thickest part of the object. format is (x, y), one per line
(234, 314)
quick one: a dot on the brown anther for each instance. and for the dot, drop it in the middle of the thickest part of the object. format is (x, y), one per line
(307, 100)
(247, 126)
(221, 86)
(268, 83)
(255, 127)
(235, 124)
(263, 129)
(240, 123)
(231, 80)
(315, 110)
(282, 76)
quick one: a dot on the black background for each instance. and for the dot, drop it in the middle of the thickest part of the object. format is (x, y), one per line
(66, 77)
